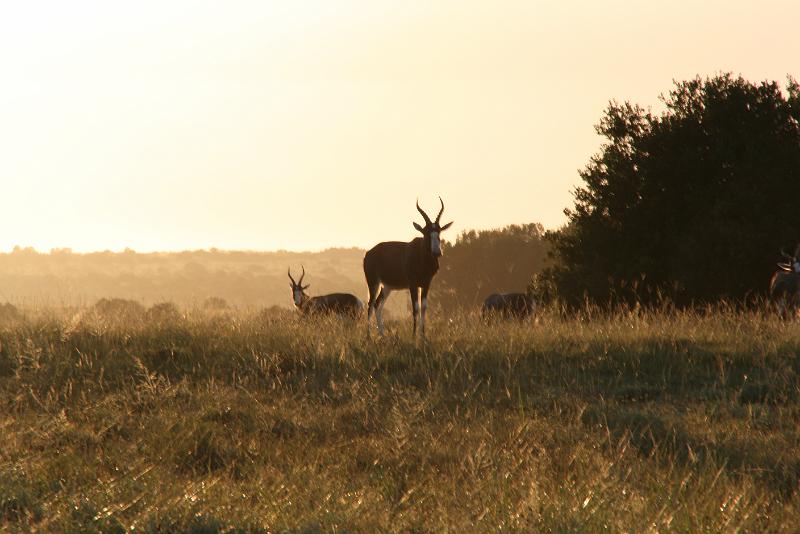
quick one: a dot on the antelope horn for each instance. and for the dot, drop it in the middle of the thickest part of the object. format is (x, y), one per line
(302, 276)
(424, 215)
(442, 211)
(289, 272)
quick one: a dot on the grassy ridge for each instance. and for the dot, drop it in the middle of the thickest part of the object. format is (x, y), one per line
(626, 421)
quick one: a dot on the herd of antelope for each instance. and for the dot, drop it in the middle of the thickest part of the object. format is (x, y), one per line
(400, 265)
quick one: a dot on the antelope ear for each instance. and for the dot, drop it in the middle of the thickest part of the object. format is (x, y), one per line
(305, 287)
(418, 227)
(446, 226)
(291, 285)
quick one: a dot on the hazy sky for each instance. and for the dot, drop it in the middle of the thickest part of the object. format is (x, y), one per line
(303, 125)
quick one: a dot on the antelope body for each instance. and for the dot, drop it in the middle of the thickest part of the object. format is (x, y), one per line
(508, 305)
(337, 303)
(397, 265)
(784, 286)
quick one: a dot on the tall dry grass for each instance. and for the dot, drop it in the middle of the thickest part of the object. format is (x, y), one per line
(237, 421)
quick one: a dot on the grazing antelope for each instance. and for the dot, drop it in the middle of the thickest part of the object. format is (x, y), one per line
(784, 286)
(339, 303)
(519, 305)
(394, 265)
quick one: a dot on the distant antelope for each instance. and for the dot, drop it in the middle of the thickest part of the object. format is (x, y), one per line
(518, 305)
(784, 287)
(394, 265)
(339, 303)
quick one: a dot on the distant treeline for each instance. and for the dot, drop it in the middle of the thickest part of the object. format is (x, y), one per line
(186, 278)
(478, 263)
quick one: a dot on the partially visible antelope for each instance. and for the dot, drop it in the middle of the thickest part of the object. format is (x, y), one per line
(519, 305)
(339, 303)
(395, 265)
(784, 286)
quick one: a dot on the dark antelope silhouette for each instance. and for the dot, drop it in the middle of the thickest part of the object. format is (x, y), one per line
(508, 305)
(394, 265)
(340, 303)
(784, 286)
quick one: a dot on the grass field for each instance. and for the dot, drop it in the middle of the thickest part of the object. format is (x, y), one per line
(662, 421)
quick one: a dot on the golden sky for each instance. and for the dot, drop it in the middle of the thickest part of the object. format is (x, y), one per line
(305, 125)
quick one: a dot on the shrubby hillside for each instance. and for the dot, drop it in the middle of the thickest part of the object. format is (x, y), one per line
(188, 278)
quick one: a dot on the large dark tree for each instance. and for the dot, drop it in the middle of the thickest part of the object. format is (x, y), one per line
(695, 202)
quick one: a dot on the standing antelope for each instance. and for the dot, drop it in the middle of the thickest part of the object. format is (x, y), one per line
(784, 286)
(520, 305)
(339, 303)
(394, 265)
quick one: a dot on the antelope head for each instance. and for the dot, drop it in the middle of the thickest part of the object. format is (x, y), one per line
(298, 289)
(432, 230)
(791, 263)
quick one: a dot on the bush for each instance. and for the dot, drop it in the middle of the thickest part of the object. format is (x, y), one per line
(9, 312)
(163, 311)
(118, 308)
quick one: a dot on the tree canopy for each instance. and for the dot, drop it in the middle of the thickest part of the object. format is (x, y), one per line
(695, 202)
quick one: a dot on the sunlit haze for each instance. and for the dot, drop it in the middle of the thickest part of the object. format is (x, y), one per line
(305, 125)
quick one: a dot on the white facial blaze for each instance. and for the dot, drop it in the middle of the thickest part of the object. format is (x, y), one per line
(436, 246)
(298, 296)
